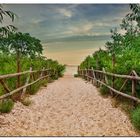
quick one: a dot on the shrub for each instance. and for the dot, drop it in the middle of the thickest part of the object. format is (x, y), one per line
(135, 117)
(6, 105)
(8, 65)
(76, 75)
(104, 90)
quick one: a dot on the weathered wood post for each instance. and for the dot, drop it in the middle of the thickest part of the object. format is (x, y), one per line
(92, 75)
(106, 80)
(33, 77)
(113, 69)
(18, 68)
(78, 71)
(27, 81)
(46, 73)
(134, 89)
(97, 68)
(84, 73)
(42, 72)
(56, 74)
(49, 74)
(103, 77)
(88, 79)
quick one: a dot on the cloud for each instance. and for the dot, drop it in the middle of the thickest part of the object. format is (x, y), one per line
(65, 12)
(37, 20)
(82, 29)
(50, 21)
(87, 28)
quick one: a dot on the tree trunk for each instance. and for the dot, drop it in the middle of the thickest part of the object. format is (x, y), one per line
(17, 96)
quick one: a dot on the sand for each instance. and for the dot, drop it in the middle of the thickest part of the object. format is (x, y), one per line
(67, 107)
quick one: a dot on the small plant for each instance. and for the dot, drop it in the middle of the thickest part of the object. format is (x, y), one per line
(50, 80)
(104, 90)
(76, 75)
(26, 101)
(6, 105)
(135, 116)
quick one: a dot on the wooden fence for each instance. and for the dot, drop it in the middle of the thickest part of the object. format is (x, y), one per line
(100, 78)
(32, 75)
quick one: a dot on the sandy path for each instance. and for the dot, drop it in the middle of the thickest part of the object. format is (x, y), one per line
(67, 107)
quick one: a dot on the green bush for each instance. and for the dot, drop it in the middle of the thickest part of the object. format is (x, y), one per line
(135, 117)
(6, 105)
(8, 65)
(76, 75)
(104, 90)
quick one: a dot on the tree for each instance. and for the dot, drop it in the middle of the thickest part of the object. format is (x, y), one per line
(22, 44)
(114, 46)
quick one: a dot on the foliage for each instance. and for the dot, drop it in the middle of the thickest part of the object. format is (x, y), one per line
(135, 117)
(104, 90)
(8, 65)
(4, 31)
(76, 75)
(6, 105)
(121, 53)
(21, 43)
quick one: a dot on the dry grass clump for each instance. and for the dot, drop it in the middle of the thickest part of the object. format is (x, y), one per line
(26, 101)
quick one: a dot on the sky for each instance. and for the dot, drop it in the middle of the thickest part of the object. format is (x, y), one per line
(68, 32)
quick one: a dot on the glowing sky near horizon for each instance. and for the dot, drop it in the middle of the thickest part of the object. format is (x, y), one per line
(69, 32)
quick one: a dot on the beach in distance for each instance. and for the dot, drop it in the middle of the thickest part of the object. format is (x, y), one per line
(73, 52)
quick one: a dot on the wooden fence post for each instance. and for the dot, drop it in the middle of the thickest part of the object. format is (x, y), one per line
(92, 75)
(42, 72)
(86, 74)
(97, 77)
(27, 81)
(88, 79)
(46, 73)
(106, 80)
(113, 67)
(125, 81)
(134, 89)
(78, 71)
(83, 74)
